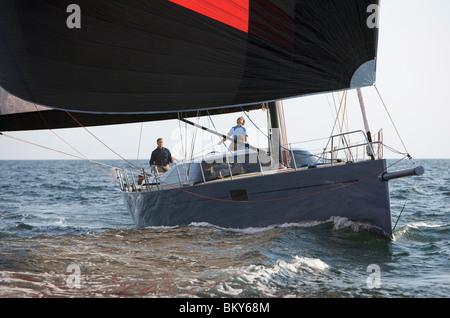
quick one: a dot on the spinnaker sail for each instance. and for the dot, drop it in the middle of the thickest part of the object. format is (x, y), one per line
(160, 57)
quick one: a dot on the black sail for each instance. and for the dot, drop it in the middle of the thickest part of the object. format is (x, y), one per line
(150, 59)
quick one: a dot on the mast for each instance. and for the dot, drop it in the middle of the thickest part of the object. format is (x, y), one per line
(366, 123)
(274, 133)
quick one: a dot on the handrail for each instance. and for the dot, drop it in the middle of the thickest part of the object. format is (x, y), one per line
(353, 146)
(368, 143)
(336, 135)
(127, 179)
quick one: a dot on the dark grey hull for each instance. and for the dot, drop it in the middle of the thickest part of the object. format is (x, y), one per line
(352, 190)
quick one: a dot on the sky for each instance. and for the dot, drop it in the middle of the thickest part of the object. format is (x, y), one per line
(412, 70)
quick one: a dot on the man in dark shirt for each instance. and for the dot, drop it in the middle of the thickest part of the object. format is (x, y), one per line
(161, 157)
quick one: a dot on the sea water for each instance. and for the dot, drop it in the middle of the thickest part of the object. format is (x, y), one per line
(65, 232)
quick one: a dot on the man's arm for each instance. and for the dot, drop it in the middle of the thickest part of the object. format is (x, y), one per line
(152, 160)
(230, 133)
(169, 157)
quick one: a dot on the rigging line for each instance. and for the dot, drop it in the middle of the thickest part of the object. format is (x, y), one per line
(346, 140)
(194, 137)
(191, 153)
(336, 121)
(195, 155)
(132, 164)
(392, 121)
(281, 199)
(280, 146)
(67, 143)
(51, 130)
(404, 205)
(139, 145)
(336, 110)
(185, 141)
(329, 105)
(55, 150)
(395, 150)
(262, 131)
(181, 134)
(342, 124)
(211, 136)
(183, 151)
(37, 145)
(335, 116)
(193, 140)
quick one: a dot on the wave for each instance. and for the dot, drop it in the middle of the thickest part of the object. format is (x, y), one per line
(343, 223)
(266, 280)
(252, 230)
(418, 225)
(161, 227)
(31, 228)
(338, 224)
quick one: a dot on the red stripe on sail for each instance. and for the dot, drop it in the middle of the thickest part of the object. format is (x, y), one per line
(231, 12)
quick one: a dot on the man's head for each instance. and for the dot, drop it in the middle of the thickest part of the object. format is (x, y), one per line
(160, 142)
(240, 121)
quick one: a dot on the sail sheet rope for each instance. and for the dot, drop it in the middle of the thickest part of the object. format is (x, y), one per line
(55, 150)
(96, 163)
(82, 156)
(81, 125)
(67, 143)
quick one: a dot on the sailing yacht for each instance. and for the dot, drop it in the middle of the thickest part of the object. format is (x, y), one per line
(99, 63)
